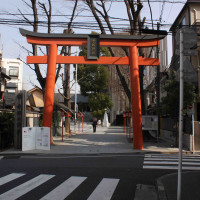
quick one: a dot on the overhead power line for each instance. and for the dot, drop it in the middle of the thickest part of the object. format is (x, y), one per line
(142, 1)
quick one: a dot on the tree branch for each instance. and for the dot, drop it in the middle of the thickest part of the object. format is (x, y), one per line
(26, 19)
(63, 95)
(150, 13)
(90, 3)
(129, 16)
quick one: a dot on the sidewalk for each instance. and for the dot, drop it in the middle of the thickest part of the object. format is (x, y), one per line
(167, 186)
(105, 141)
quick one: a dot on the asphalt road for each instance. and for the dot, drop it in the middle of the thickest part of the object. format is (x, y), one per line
(78, 178)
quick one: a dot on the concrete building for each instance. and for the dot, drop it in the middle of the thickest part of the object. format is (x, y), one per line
(189, 17)
(14, 69)
(150, 74)
(3, 80)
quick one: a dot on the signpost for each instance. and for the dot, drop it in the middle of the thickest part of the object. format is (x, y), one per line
(186, 39)
(180, 118)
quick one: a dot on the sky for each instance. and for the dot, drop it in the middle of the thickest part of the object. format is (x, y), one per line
(11, 40)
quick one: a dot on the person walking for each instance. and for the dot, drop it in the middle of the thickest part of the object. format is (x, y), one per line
(94, 124)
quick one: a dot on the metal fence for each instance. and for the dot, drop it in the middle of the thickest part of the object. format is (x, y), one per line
(171, 124)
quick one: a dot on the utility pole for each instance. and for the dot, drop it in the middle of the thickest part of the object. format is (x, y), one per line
(66, 81)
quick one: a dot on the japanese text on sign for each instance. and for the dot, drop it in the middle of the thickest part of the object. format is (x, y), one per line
(93, 47)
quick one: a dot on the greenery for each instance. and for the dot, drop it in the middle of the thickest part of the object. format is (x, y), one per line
(56, 118)
(99, 102)
(171, 101)
(93, 81)
(7, 129)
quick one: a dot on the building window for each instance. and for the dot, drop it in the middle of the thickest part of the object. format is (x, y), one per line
(183, 23)
(13, 71)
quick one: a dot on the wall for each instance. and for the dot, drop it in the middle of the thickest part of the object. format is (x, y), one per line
(38, 98)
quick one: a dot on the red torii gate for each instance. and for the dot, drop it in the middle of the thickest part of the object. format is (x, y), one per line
(132, 42)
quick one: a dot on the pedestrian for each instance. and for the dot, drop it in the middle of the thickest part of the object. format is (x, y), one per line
(94, 124)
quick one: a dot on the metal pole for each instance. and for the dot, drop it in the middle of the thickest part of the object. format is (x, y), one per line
(158, 95)
(82, 122)
(75, 100)
(62, 127)
(180, 117)
(193, 130)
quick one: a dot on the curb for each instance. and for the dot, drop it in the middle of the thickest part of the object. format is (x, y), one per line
(142, 152)
(161, 190)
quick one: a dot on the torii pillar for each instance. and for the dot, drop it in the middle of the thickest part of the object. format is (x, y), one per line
(135, 98)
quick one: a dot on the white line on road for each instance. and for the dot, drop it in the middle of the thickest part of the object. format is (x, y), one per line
(10, 177)
(88, 156)
(1, 157)
(171, 156)
(104, 190)
(25, 187)
(170, 163)
(169, 167)
(64, 189)
(171, 159)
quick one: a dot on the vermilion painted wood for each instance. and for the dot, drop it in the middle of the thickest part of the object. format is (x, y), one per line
(81, 42)
(83, 60)
(50, 85)
(135, 99)
(133, 61)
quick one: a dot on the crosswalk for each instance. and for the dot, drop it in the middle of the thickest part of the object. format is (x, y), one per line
(103, 190)
(170, 161)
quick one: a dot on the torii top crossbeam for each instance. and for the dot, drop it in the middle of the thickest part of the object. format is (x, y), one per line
(132, 42)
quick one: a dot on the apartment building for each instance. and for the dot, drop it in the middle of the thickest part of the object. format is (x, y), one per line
(13, 69)
(188, 17)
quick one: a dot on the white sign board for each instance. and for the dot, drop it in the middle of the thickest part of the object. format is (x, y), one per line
(149, 122)
(43, 138)
(35, 138)
(28, 138)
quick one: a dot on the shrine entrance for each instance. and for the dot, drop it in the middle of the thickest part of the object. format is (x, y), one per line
(133, 60)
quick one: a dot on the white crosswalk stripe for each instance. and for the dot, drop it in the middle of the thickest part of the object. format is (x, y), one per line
(64, 189)
(9, 178)
(104, 189)
(25, 187)
(166, 161)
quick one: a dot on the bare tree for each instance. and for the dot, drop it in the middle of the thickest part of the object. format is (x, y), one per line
(46, 8)
(36, 6)
(100, 13)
